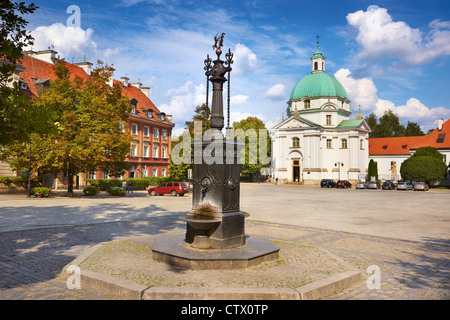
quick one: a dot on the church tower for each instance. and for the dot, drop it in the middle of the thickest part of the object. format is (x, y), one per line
(317, 60)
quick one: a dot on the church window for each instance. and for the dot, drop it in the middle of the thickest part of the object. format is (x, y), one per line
(315, 65)
(295, 143)
(307, 104)
(329, 144)
(328, 120)
(344, 143)
(361, 144)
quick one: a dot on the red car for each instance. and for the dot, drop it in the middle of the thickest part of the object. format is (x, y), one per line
(172, 188)
(343, 184)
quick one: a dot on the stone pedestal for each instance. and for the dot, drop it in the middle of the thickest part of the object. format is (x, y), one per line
(216, 220)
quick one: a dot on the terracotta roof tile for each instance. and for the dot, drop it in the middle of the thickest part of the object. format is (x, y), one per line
(38, 69)
(395, 145)
(403, 145)
(431, 140)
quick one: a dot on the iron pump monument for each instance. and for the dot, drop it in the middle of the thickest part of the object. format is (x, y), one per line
(215, 227)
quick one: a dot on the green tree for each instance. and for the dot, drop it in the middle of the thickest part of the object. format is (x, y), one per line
(428, 152)
(388, 126)
(413, 129)
(14, 105)
(423, 169)
(91, 117)
(426, 164)
(372, 170)
(254, 134)
(202, 114)
(372, 121)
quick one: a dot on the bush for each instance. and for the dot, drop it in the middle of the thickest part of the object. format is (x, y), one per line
(41, 192)
(115, 191)
(423, 169)
(138, 183)
(90, 191)
(105, 184)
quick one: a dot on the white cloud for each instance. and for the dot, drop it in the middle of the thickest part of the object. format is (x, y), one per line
(379, 37)
(68, 41)
(245, 61)
(183, 101)
(276, 92)
(239, 99)
(363, 92)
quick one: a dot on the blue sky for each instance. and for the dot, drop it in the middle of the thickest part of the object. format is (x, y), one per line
(387, 54)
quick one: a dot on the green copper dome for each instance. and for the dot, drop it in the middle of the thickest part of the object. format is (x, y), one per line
(318, 84)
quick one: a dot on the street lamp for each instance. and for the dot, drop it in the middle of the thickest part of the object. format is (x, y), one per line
(339, 165)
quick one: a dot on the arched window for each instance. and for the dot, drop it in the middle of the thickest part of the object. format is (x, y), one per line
(315, 65)
(295, 143)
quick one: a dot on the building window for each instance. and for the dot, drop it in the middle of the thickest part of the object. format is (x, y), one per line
(145, 172)
(155, 133)
(295, 143)
(329, 144)
(133, 109)
(134, 129)
(146, 131)
(146, 150)
(315, 65)
(134, 150)
(105, 175)
(91, 174)
(164, 152)
(344, 143)
(155, 172)
(328, 120)
(393, 167)
(155, 152)
(164, 134)
(163, 172)
(307, 104)
(361, 144)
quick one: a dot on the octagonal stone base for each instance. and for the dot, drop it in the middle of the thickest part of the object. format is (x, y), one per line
(175, 251)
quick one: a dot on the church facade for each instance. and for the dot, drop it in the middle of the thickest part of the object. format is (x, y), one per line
(318, 140)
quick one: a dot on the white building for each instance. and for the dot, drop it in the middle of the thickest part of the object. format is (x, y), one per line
(389, 153)
(318, 140)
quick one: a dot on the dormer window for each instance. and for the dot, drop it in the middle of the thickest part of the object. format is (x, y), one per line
(307, 104)
(133, 103)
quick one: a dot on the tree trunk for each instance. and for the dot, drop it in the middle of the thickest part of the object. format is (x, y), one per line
(70, 175)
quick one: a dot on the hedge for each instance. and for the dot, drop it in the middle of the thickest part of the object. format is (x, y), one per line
(138, 183)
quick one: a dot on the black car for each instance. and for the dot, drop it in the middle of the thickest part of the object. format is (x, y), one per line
(327, 183)
(388, 185)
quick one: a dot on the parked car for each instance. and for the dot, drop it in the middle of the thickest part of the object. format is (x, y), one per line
(172, 188)
(361, 185)
(343, 184)
(421, 186)
(327, 183)
(388, 185)
(374, 185)
(402, 185)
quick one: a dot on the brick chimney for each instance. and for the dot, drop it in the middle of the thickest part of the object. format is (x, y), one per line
(146, 91)
(86, 66)
(125, 81)
(440, 124)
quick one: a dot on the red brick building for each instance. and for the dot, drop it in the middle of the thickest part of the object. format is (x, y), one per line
(151, 129)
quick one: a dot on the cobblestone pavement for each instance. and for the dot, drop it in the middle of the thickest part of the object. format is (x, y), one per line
(30, 260)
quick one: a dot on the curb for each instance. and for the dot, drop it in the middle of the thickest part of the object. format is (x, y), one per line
(127, 290)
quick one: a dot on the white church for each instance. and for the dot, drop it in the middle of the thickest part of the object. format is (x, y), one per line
(318, 140)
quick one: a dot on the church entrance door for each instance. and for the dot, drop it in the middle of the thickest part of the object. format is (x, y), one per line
(296, 171)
